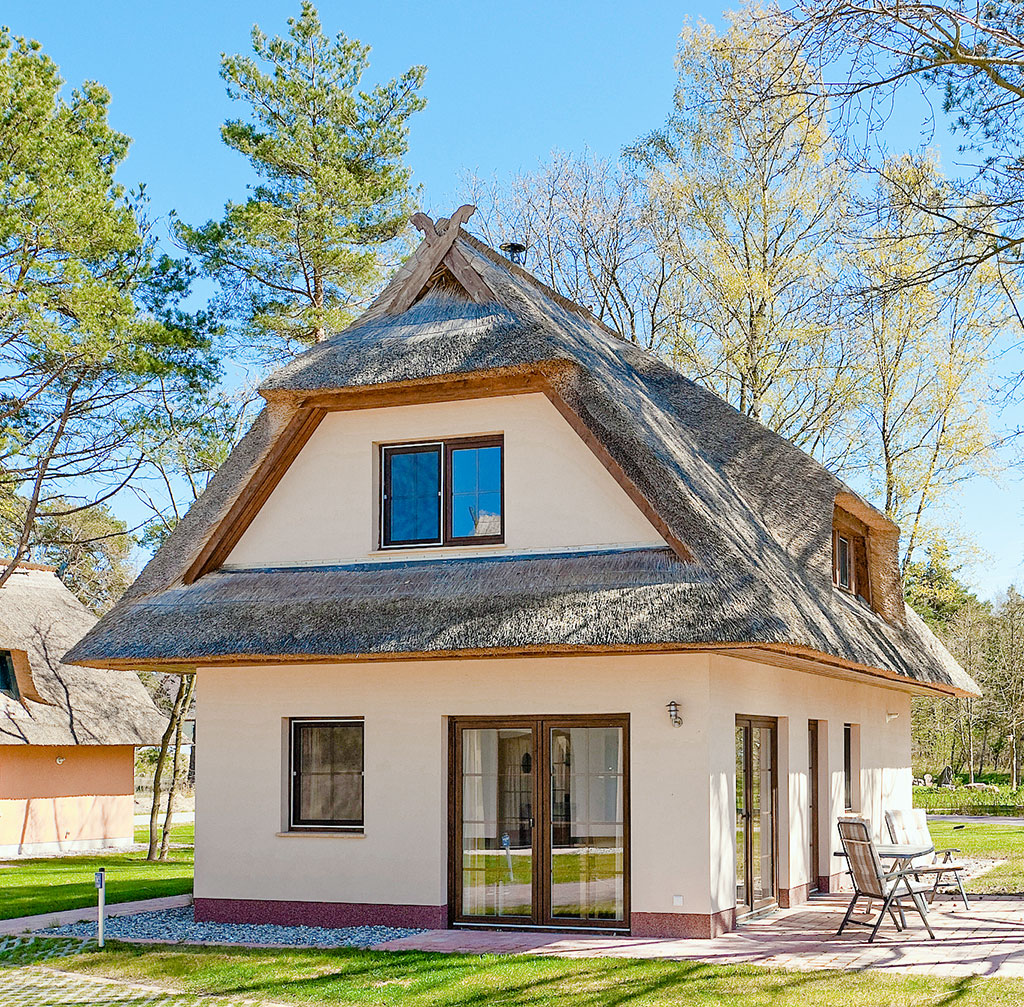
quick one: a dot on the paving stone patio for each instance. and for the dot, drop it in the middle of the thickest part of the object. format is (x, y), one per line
(986, 940)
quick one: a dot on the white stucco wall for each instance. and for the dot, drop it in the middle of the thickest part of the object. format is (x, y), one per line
(683, 779)
(558, 495)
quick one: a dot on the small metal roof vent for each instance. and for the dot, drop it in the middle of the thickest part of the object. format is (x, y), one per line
(514, 251)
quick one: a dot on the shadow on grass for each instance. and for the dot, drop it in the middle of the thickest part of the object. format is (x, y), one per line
(430, 979)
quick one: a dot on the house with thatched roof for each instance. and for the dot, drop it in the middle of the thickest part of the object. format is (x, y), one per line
(67, 734)
(501, 621)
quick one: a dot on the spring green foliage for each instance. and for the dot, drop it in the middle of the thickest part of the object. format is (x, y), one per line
(748, 197)
(933, 590)
(300, 255)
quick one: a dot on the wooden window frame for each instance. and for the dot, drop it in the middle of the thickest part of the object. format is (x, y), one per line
(445, 447)
(294, 824)
(848, 793)
(540, 726)
(463, 443)
(837, 537)
(388, 450)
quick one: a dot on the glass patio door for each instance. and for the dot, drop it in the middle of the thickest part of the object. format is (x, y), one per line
(756, 803)
(539, 822)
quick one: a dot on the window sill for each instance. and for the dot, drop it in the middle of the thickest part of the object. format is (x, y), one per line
(321, 833)
(434, 550)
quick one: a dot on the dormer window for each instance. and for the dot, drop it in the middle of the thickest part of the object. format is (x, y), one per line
(8, 680)
(850, 570)
(843, 562)
(443, 493)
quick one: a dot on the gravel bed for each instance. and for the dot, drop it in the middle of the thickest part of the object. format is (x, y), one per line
(178, 926)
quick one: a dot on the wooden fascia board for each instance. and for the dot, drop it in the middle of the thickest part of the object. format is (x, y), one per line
(256, 492)
(640, 500)
(791, 657)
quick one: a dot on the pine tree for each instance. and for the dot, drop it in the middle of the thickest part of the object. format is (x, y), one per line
(300, 255)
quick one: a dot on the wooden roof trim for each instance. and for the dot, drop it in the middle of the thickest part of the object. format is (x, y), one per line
(256, 492)
(436, 250)
(863, 511)
(616, 471)
(23, 676)
(790, 656)
(482, 384)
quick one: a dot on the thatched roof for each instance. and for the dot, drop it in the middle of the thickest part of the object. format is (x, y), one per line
(61, 704)
(748, 516)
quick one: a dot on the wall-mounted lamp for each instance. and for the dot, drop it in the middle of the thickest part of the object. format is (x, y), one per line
(890, 717)
(673, 713)
(60, 760)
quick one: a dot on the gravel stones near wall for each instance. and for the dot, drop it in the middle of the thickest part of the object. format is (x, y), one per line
(179, 926)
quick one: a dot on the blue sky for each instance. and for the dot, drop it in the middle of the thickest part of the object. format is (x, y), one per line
(506, 84)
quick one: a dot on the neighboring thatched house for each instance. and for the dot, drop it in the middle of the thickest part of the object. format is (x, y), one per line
(501, 621)
(67, 734)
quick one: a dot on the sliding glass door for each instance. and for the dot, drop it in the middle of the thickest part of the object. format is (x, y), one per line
(539, 821)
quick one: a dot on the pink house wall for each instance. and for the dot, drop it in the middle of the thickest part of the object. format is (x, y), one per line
(84, 799)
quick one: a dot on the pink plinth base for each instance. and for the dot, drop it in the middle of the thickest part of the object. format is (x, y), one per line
(320, 914)
(682, 925)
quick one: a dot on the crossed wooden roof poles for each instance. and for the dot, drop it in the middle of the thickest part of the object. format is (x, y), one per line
(438, 250)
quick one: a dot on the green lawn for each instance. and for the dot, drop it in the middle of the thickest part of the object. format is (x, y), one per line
(50, 884)
(416, 979)
(185, 833)
(987, 840)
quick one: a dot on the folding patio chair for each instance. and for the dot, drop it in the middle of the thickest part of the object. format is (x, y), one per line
(872, 881)
(911, 827)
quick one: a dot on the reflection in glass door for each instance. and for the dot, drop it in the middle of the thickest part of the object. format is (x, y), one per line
(497, 822)
(587, 857)
(540, 821)
(756, 801)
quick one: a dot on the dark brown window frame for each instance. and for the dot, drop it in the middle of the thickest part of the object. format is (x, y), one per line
(838, 536)
(446, 447)
(848, 794)
(294, 823)
(540, 726)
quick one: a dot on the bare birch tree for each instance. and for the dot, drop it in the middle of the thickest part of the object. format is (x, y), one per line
(589, 235)
(751, 196)
(923, 356)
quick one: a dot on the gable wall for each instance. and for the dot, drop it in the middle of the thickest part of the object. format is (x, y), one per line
(558, 495)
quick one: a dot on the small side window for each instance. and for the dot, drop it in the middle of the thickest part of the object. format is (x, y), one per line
(327, 774)
(842, 567)
(8, 680)
(851, 766)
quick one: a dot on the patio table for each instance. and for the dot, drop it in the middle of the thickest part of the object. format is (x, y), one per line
(903, 853)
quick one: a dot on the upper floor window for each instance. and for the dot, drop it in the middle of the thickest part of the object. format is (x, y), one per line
(443, 492)
(8, 680)
(843, 561)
